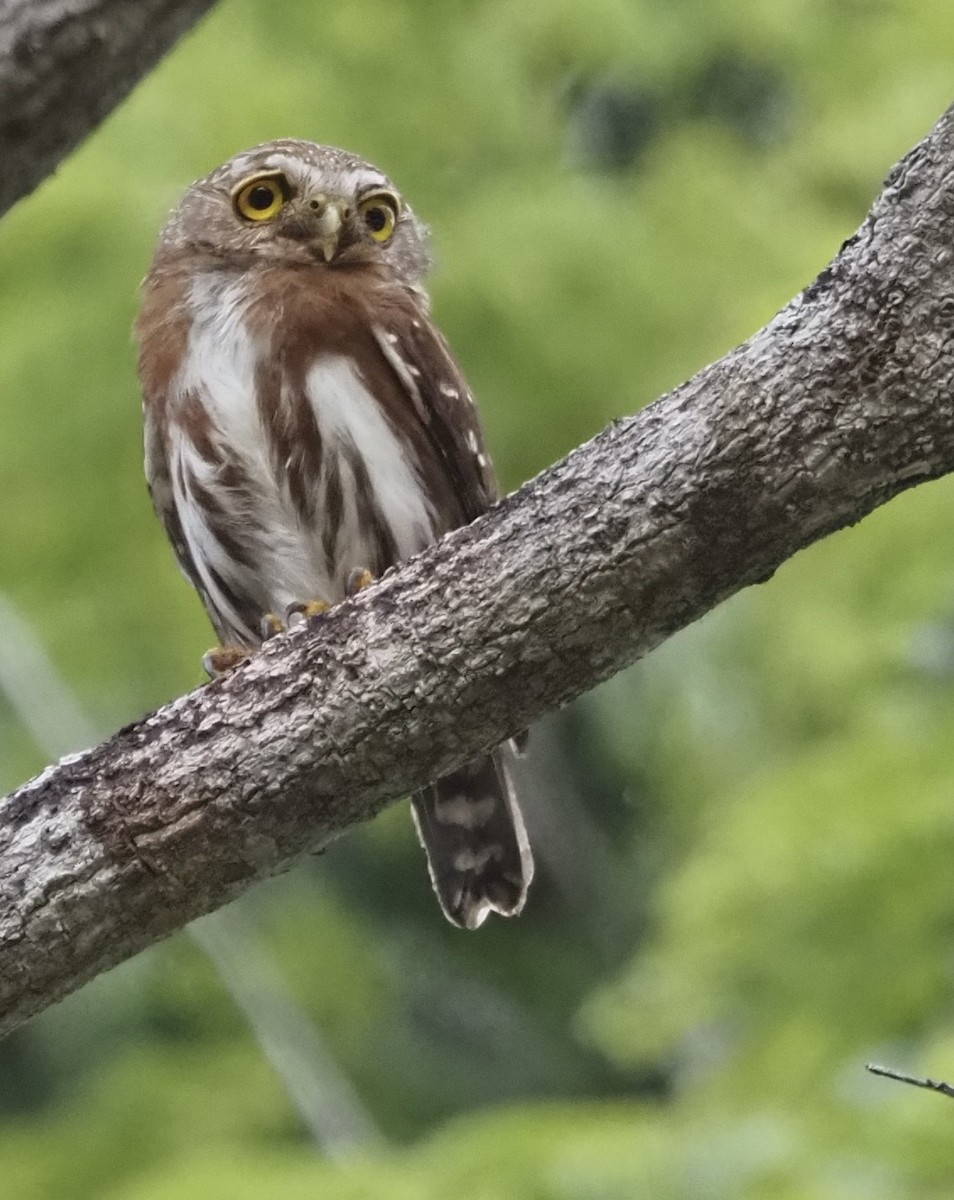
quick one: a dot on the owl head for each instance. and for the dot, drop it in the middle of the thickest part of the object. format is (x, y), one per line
(296, 202)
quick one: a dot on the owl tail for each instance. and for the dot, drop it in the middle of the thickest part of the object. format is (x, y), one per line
(477, 849)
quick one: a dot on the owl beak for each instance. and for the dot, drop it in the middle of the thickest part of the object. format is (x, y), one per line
(329, 220)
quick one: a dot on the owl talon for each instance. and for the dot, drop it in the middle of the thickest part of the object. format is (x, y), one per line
(301, 610)
(271, 626)
(221, 659)
(358, 579)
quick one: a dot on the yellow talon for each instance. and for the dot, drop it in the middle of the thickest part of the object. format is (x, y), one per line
(271, 626)
(301, 610)
(358, 580)
(221, 659)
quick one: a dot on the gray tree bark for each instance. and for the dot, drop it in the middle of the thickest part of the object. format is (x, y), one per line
(65, 64)
(845, 399)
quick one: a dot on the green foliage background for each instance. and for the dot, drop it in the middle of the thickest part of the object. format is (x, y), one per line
(744, 890)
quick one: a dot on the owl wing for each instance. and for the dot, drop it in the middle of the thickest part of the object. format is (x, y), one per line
(442, 407)
(156, 436)
(469, 822)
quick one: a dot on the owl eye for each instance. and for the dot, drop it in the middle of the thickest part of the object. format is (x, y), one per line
(261, 198)
(380, 214)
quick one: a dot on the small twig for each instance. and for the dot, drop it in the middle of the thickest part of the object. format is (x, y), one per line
(932, 1085)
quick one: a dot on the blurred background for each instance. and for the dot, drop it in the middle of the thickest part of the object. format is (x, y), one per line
(744, 843)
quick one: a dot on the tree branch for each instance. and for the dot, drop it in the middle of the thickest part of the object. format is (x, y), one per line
(845, 399)
(918, 1081)
(66, 64)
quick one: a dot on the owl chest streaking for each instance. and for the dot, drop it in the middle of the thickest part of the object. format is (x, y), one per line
(307, 426)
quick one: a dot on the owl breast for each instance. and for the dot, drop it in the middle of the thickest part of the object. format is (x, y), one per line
(286, 472)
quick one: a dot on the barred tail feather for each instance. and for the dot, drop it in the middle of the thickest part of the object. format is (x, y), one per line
(477, 849)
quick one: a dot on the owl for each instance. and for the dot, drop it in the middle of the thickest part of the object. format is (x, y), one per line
(306, 427)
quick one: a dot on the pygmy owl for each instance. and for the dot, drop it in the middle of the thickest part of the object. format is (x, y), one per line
(306, 427)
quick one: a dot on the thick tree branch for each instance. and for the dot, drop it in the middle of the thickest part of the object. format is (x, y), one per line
(66, 64)
(842, 401)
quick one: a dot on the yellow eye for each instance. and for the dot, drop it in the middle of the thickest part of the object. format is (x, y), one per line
(380, 214)
(261, 198)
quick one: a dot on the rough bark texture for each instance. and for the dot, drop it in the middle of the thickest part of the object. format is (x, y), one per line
(65, 64)
(842, 401)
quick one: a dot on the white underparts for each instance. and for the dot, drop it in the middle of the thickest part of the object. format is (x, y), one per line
(291, 561)
(350, 417)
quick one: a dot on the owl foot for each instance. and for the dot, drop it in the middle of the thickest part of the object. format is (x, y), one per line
(271, 625)
(221, 659)
(358, 579)
(301, 610)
